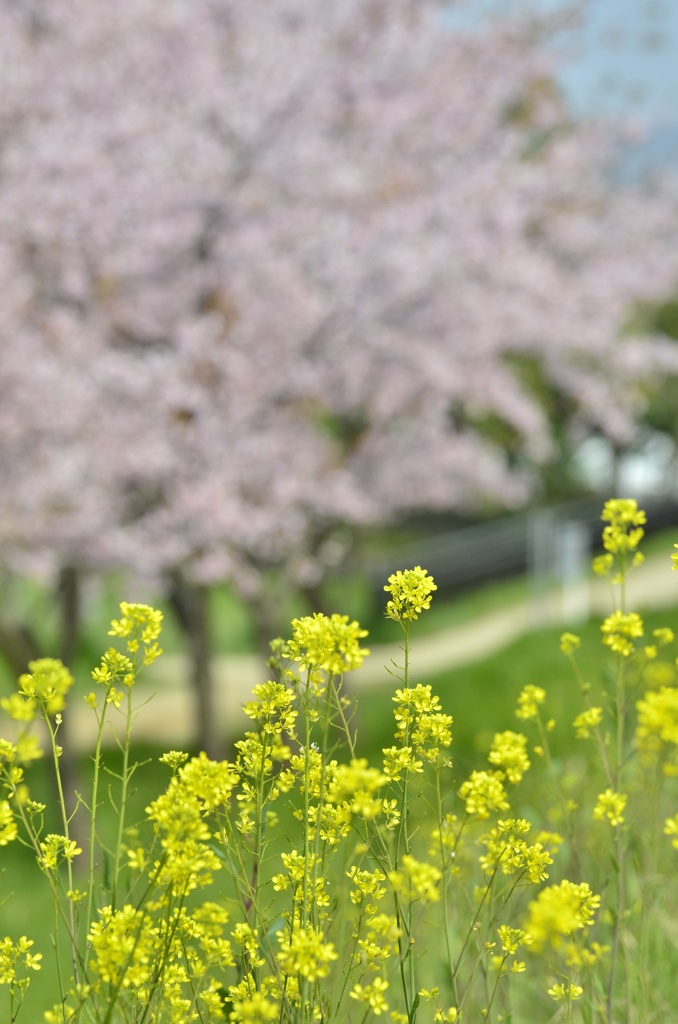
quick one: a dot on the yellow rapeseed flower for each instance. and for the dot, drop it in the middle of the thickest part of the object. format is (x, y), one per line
(330, 643)
(482, 793)
(671, 829)
(416, 880)
(372, 994)
(610, 805)
(625, 521)
(529, 700)
(508, 752)
(619, 630)
(569, 642)
(46, 685)
(657, 718)
(587, 722)
(305, 953)
(410, 592)
(8, 826)
(559, 911)
(13, 956)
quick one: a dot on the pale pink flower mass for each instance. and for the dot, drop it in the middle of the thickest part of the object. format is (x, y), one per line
(268, 266)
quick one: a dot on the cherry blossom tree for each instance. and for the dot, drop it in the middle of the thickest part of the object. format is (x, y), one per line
(266, 268)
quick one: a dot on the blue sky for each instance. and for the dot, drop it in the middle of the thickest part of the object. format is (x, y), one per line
(623, 59)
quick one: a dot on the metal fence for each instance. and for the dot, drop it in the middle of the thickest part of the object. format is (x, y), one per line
(550, 544)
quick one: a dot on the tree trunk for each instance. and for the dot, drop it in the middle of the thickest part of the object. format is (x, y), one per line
(19, 645)
(190, 603)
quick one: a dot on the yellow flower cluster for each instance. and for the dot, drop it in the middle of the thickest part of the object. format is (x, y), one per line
(380, 940)
(610, 806)
(619, 630)
(625, 521)
(410, 592)
(273, 708)
(43, 688)
(420, 724)
(56, 848)
(482, 793)
(301, 880)
(114, 667)
(8, 827)
(559, 911)
(416, 880)
(509, 754)
(139, 624)
(254, 1008)
(355, 787)
(657, 727)
(442, 1015)
(372, 995)
(657, 718)
(179, 818)
(507, 849)
(663, 636)
(671, 829)
(529, 700)
(368, 884)
(330, 643)
(14, 956)
(569, 643)
(587, 722)
(124, 945)
(565, 993)
(166, 957)
(304, 952)
(511, 938)
(398, 760)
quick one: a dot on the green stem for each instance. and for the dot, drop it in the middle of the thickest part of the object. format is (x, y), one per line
(560, 797)
(123, 799)
(602, 749)
(494, 990)
(404, 919)
(69, 865)
(619, 841)
(620, 702)
(445, 879)
(92, 817)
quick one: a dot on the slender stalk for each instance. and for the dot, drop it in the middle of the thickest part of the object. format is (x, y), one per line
(92, 816)
(69, 865)
(125, 776)
(620, 705)
(444, 863)
(404, 918)
(565, 811)
(488, 1011)
(619, 841)
(602, 749)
